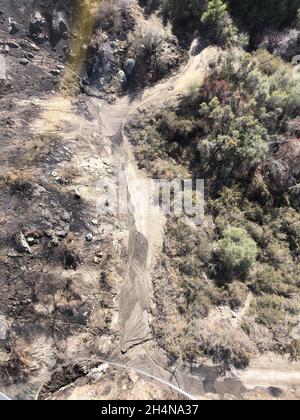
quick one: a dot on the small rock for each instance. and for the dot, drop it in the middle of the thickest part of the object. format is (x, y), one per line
(59, 180)
(4, 49)
(94, 222)
(39, 190)
(65, 216)
(59, 25)
(31, 241)
(34, 47)
(14, 27)
(96, 260)
(55, 72)
(107, 162)
(3, 329)
(54, 242)
(119, 80)
(61, 234)
(114, 44)
(129, 66)
(12, 44)
(21, 243)
(24, 61)
(296, 333)
(234, 314)
(37, 25)
(77, 195)
(110, 171)
(89, 237)
(96, 374)
(29, 56)
(49, 233)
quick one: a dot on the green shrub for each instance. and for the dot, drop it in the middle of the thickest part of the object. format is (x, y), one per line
(262, 236)
(238, 293)
(219, 24)
(187, 12)
(267, 63)
(184, 238)
(200, 295)
(294, 350)
(257, 16)
(236, 253)
(225, 349)
(191, 266)
(278, 255)
(270, 310)
(200, 306)
(236, 143)
(290, 224)
(269, 281)
(204, 250)
(175, 128)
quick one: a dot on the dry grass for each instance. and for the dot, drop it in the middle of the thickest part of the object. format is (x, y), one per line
(68, 173)
(18, 179)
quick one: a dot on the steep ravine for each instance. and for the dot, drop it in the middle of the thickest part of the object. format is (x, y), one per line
(91, 319)
(131, 345)
(146, 237)
(147, 221)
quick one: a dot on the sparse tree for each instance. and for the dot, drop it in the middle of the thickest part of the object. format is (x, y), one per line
(218, 22)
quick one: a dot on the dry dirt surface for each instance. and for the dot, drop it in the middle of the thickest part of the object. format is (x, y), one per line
(103, 381)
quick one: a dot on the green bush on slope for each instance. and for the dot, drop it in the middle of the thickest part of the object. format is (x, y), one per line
(219, 24)
(257, 16)
(236, 253)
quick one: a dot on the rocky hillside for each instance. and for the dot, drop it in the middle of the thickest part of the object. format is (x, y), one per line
(229, 289)
(63, 265)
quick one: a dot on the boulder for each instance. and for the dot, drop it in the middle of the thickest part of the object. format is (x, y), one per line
(59, 27)
(14, 27)
(2, 67)
(24, 61)
(21, 243)
(29, 55)
(89, 237)
(3, 329)
(76, 194)
(119, 81)
(34, 47)
(55, 72)
(37, 24)
(129, 66)
(12, 44)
